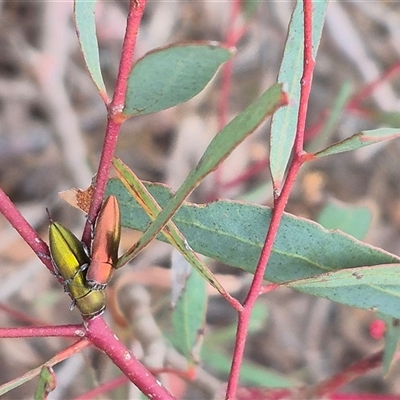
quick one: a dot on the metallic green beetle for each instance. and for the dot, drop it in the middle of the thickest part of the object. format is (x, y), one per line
(71, 261)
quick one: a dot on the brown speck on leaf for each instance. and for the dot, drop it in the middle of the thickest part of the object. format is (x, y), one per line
(357, 275)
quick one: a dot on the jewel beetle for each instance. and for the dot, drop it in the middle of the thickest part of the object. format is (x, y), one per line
(105, 243)
(70, 261)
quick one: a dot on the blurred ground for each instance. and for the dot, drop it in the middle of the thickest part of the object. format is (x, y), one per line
(51, 128)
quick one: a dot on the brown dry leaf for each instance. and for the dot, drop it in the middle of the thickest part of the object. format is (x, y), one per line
(78, 198)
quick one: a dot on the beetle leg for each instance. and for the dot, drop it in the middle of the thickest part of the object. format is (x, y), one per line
(72, 305)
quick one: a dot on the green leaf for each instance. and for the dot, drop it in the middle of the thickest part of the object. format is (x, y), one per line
(234, 233)
(392, 337)
(140, 193)
(350, 219)
(6, 387)
(360, 140)
(220, 147)
(86, 30)
(47, 383)
(250, 373)
(258, 194)
(188, 317)
(384, 275)
(334, 117)
(284, 122)
(172, 75)
(227, 334)
(374, 288)
(19, 381)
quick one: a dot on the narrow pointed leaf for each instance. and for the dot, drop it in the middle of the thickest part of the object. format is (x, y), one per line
(383, 275)
(234, 232)
(76, 347)
(360, 140)
(374, 288)
(220, 147)
(334, 116)
(188, 317)
(47, 383)
(180, 272)
(140, 193)
(392, 337)
(284, 122)
(250, 374)
(172, 75)
(86, 30)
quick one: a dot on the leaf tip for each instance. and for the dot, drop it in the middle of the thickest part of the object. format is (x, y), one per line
(218, 45)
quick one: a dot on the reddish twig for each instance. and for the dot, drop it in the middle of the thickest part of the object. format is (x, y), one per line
(226, 73)
(96, 332)
(253, 170)
(356, 370)
(105, 340)
(19, 316)
(115, 116)
(367, 90)
(279, 206)
(61, 356)
(122, 380)
(104, 388)
(297, 393)
(232, 37)
(354, 104)
(22, 226)
(43, 331)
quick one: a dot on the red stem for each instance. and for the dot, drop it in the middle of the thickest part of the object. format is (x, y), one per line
(363, 396)
(19, 316)
(367, 90)
(251, 171)
(43, 331)
(70, 350)
(115, 116)
(22, 226)
(356, 370)
(135, 14)
(279, 206)
(226, 73)
(104, 388)
(306, 80)
(105, 340)
(232, 37)
(61, 356)
(353, 105)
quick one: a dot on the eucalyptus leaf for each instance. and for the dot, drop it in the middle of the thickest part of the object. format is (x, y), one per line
(359, 140)
(234, 233)
(86, 30)
(172, 75)
(284, 121)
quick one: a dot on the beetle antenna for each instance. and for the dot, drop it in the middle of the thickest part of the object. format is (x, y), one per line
(49, 215)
